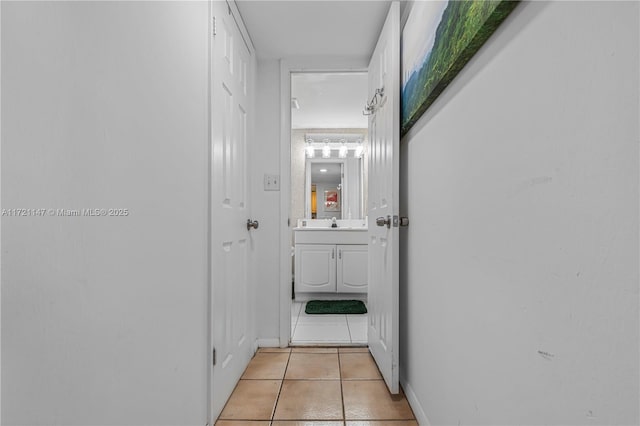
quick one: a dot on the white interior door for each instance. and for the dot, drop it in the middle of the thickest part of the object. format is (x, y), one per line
(230, 245)
(384, 135)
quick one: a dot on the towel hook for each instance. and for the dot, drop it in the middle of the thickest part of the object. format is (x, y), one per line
(371, 106)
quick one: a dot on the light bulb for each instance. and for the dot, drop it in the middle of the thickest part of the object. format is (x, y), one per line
(326, 151)
(310, 151)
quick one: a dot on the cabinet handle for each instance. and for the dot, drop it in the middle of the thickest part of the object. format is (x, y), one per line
(339, 254)
(333, 253)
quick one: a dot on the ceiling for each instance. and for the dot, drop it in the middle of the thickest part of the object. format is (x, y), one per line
(329, 100)
(332, 173)
(312, 28)
(282, 29)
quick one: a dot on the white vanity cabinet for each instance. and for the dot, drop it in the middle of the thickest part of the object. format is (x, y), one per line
(324, 265)
(351, 268)
(315, 268)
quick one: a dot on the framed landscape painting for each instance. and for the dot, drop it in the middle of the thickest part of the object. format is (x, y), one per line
(438, 39)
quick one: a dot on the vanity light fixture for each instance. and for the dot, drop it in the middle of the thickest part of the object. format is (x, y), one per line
(343, 149)
(309, 149)
(327, 143)
(310, 152)
(343, 152)
(326, 149)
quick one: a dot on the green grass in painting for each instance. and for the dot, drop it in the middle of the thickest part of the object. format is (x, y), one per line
(464, 28)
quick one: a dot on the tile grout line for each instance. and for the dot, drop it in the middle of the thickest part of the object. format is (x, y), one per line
(275, 406)
(342, 379)
(344, 415)
(228, 399)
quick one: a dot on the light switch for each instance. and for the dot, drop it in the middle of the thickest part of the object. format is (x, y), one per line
(271, 182)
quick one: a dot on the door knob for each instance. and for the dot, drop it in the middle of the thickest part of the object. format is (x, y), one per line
(381, 221)
(252, 224)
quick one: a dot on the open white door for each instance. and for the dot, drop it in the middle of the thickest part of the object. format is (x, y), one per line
(231, 68)
(384, 142)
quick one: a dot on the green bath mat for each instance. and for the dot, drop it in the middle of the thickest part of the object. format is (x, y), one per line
(335, 307)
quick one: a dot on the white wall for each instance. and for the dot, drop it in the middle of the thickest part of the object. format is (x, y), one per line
(265, 158)
(519, 295)
(104, 105)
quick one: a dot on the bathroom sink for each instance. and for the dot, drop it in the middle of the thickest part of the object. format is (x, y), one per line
(325, 224)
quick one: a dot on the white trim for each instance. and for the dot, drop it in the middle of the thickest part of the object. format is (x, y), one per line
(287, 66)
(284, 277)
(267, 343)
(209, 328)
(246, 37)
(414, 403)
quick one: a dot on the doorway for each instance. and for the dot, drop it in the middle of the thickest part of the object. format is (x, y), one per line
(328, 175)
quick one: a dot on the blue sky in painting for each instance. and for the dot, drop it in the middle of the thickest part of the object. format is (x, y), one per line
(419, 35)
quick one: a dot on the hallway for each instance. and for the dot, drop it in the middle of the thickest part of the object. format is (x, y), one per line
(314, 386)
(519, 278)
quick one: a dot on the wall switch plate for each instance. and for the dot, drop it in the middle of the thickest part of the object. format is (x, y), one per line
(271, 182)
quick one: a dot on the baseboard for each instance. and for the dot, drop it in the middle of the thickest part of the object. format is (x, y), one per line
(268, 343)
(421, 417)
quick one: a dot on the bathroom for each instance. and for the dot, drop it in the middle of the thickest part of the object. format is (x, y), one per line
(328, 221)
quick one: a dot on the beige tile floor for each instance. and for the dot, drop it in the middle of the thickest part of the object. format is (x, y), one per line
(314, 386)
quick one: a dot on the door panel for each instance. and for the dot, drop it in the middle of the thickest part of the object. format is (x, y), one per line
(384, 135)
(229, 207)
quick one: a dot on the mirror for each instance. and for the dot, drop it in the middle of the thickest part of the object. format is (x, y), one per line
(328, 132)
(324, 189)
(333, 188)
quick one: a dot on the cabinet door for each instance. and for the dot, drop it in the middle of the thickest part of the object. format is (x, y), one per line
(352, 268)
(315, 268)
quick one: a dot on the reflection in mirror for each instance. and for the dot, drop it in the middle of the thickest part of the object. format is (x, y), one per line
(325, 189)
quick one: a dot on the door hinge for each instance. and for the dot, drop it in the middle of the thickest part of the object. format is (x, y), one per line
(215, 28)
(214, 356)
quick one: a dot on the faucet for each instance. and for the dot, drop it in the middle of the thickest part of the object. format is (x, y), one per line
(333, 222)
